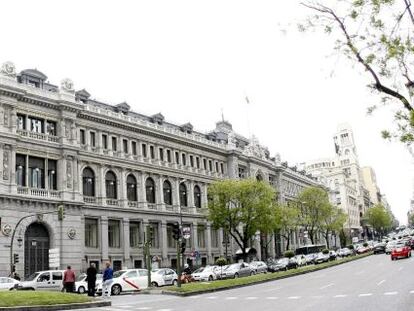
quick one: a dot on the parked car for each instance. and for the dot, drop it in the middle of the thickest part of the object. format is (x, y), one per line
(344, 252)
(127, 281)
(164, 276)
(379, 248)
(332, 255)
(301, 260)
(400, 251)
(322, 258)
(362, 250)
(282, 264)
(259, 266)
(238, 269)
(205, 274)
(7, 283)
(51, 280)
(310, 258)
(390, 246)
(81, 285)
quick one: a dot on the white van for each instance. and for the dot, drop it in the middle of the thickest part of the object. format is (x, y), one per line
(43, 280)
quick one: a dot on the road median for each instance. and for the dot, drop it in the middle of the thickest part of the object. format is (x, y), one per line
(219, 285)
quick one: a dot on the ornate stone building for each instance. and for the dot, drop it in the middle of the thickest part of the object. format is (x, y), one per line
(116, 172)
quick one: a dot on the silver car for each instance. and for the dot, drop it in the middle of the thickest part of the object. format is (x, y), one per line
(259, 266)
(238, 269)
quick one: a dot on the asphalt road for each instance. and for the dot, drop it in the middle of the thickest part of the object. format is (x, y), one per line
(373, 283)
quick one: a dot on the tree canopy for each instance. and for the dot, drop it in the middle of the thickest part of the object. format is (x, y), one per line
(379, 218)
(242, 208)
(287, 220)
(378, 36)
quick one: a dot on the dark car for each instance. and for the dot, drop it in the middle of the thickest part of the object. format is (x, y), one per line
(282, 264)
(379, 248)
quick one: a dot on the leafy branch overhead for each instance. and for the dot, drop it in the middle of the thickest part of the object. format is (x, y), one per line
(377, 35)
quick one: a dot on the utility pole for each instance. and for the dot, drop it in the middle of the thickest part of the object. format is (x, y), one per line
(177, 236)
(147, 247)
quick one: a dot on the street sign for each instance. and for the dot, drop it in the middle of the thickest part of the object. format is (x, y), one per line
(186, 232)
(54, 258)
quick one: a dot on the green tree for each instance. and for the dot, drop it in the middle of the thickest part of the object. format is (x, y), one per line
(377, 35)
(411, 219)
(241, 208)
(286, 221)
(379, 218)
(333, 220)
(313, 203)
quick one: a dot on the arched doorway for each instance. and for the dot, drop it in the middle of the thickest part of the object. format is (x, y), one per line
(36, 249)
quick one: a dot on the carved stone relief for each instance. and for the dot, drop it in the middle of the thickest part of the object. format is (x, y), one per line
(6, 116)
(69, 173)
(6, 157)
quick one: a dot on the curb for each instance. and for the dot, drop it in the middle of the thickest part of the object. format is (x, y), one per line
(212, 290)
(71, 306)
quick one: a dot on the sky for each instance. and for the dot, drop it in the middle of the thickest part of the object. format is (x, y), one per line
(196, 60)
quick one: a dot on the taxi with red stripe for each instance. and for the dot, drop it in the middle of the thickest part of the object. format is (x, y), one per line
(128, 280)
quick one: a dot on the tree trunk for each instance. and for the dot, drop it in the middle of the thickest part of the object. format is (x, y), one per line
(327, 240)
(287, 241)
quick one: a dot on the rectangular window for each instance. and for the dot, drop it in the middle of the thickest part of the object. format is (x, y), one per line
(201, 237)
(114, 234)
(152, 153)
(21, 122)
(91, 232)
(21, 170)
(210, 165)
(36, 172)
(205, 164)
(198, 162)
(214, 238)
(184, 159)
(125, 145)
(104, 141)
(36, 125)
(169, 156)
(134, 147)
(114, 144)
(93, 141)
(134, 233)
(155, 237)
(191, 161)
(222, 168)
(51, 128)
(170, 240)
(242, 172)
(177, 157)
(217, 169)
(144, 150)
(52, 174)
(161, 150)
(82, 137)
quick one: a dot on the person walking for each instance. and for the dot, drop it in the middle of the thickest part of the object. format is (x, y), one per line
(91, 279)
(69, 280)
(107, 281)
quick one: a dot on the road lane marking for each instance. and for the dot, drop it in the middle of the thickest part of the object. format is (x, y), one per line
(231, 298)
(390, 293)
(211, 297)
(326, 286)
(251, 298)
(272, 289)
(400, 268)
(294, 297)
(340, 296)
(143, 308)
(365, 295)
(272, 298)
(411, 291)
(379, 283)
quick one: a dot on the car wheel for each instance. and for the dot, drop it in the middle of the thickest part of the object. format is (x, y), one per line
(251, 273)
(81, 290)
(175, 282)
(210, 278)
(154, 284)
(116, 290)
(236, 275)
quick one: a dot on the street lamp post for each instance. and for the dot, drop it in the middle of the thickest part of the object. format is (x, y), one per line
(34, 244)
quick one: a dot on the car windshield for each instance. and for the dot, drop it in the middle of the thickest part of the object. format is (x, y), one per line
(80, 277)
(233, 266)
(33, 276)
(117, 274)
(283, 260)
(199, 270)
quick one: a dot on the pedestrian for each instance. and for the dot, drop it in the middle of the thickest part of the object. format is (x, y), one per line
(91, 279)
(69, 280)
(107, 281)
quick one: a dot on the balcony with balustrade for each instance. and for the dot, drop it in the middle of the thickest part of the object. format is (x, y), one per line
(39, 192)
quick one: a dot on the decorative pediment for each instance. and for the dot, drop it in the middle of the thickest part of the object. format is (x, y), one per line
(157, 118)
(187, 127)
(123, 107)
(33, 73)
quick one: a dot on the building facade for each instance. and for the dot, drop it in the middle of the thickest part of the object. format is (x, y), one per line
(116, 173)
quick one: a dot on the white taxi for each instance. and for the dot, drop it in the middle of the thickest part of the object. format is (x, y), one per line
(127, 280)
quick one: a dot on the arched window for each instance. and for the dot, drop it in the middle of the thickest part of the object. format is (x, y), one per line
(150, 190)
(167, 192)
(259, 177)
(110, 185)
(88, 181)
(131, 188)
(183, 195)
(197, 196)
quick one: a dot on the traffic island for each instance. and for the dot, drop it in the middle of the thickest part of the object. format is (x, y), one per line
(40, 301)
(196, 288)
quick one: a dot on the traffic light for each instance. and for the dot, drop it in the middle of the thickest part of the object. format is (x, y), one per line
(61, 213)
(150, 230)
(15, 258)
(176, 232)
(183, 247)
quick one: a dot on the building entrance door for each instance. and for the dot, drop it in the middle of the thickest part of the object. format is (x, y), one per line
(36, 249)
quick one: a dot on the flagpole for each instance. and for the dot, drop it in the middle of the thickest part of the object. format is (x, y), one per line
(247, 115)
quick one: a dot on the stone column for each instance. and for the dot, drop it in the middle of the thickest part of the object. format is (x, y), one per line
(126, 244)
(159, 193)
(208, 244)
(176, 193)
(272, 251)
(194, 236)
(204, 194)
(141, 190)
(190, 193)
(123, 189)
(12, 168)
(164, 242)
(100, 182)
(104, 239)
(99, 144)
